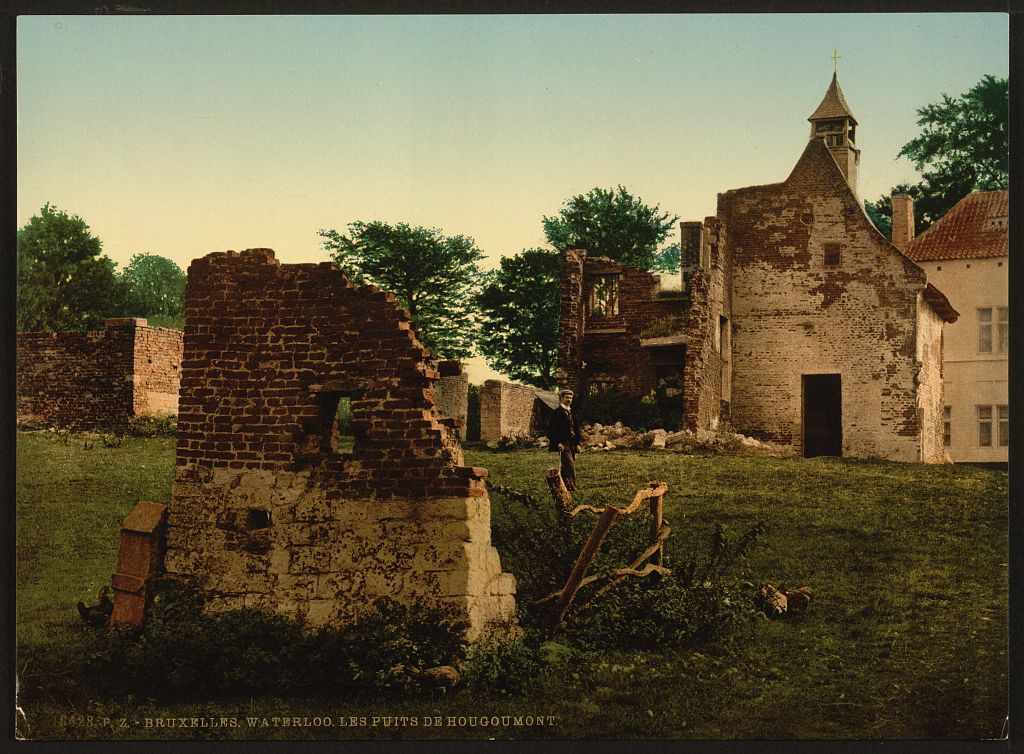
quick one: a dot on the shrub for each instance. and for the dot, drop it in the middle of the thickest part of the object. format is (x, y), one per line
(702, 600)
(610, 406)
(502, 665)
(163, 425)
(183, 651)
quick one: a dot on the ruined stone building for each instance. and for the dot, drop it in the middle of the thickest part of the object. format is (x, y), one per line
(966, 254)
(797, 323)
(270, 508)
(98, 380)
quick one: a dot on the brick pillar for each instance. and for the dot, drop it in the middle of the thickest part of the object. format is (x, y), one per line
(570, 322)
(902, 221)
(691, 236)
(139, 558)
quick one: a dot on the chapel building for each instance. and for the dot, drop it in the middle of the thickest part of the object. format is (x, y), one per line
(797, 322)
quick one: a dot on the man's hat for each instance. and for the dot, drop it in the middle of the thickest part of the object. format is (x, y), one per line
(562, 393)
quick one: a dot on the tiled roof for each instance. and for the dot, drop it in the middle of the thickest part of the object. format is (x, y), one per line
(833, 105)
(977, 227)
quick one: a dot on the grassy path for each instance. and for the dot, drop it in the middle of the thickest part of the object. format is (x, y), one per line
(906, 637)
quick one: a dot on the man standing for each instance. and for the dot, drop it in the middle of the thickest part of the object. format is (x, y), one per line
(564, 436)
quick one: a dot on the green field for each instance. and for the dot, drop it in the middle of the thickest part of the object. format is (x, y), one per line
(906, 636)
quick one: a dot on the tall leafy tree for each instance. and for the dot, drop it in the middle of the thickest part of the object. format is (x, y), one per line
(155, 286)
(963, 146)
(65, 283)
(519, 316)
(432, 275)
(613, 223)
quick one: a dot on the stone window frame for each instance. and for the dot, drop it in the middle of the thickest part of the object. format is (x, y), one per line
(1003, 425)
(831, 255)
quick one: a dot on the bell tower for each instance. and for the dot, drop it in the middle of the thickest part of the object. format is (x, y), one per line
(833, 123)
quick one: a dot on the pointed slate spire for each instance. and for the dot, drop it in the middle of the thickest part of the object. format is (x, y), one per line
(833, 105)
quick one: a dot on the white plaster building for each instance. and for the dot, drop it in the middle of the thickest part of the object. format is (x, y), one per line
(966, 255)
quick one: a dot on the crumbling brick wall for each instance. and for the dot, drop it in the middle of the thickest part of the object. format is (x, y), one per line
(707, 379)
(98, 380)
(617, 351)
(794, 315)
(268, 510)
(511, 410)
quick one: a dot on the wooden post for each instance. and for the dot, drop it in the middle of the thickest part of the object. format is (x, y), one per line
(584, 561)
(657, 508)
(561, 496)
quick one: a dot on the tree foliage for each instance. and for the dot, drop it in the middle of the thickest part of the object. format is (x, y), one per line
(963, 146)
(155, 286)
(432, 275)
(615, 224)
(519, 316)
(64, 282)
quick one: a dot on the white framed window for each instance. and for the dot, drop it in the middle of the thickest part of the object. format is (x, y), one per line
(984, 330)
(1003, 329)
(985, 426)
(1003, 415)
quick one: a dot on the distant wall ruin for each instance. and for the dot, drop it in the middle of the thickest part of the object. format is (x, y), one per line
(451, 394)
(269, 510)
(511, 410)
(100, 379)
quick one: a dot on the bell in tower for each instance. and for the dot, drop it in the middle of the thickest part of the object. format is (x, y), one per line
(835, 125)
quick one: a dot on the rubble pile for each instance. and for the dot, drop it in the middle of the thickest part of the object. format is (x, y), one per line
(617, 436)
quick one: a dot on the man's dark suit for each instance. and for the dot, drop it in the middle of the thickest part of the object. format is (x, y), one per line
(563, 430)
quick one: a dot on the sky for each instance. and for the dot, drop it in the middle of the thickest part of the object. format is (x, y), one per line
(179, 136)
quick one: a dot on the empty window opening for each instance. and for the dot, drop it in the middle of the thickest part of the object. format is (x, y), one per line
(338, 430)
(604, 296)
(947, 426)
(833, 254)
(342, 436)
(257, 518)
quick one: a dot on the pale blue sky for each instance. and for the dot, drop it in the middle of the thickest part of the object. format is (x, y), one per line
(185, 135)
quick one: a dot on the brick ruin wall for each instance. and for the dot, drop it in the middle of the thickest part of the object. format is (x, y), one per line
(793, 316)
(569, 371)
(510, 410)
(157, 370)
(267, 511)
(607, 352)
(98, 380)
(612, 349)
(707, 377)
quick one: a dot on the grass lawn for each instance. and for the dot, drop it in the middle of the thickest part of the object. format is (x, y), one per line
(906, 636)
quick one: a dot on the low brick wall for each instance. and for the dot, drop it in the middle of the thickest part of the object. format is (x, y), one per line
(98, 380)
(511, 410)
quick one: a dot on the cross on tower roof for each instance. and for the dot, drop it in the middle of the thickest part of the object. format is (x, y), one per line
(836, 57)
